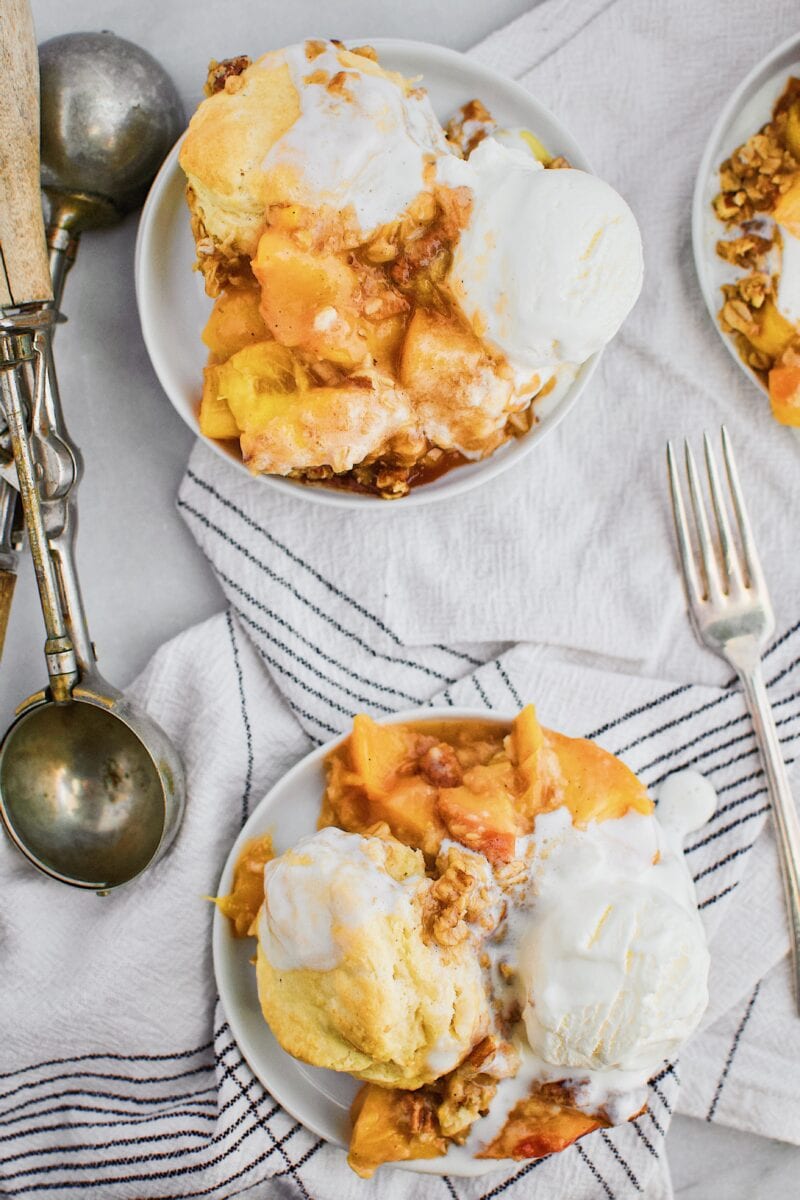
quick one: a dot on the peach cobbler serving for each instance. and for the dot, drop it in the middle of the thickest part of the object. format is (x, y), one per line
(392, 298)
(759, 203)
(490, 930)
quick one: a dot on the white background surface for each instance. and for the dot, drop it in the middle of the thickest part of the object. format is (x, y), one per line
(143, 577)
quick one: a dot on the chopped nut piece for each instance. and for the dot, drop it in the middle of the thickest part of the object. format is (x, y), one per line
(220, 72)
(757, 172)
(441, 767)
(510, 874)
(462, 898)
(366, 52)
(749, 250)
(339, 84)
(736, 315)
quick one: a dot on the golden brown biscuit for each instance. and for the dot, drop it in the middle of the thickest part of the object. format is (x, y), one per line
(395, 1008)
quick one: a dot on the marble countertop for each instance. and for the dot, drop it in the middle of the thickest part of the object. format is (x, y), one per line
(143, 577)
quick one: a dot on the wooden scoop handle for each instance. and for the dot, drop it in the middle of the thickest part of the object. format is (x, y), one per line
(24, 268)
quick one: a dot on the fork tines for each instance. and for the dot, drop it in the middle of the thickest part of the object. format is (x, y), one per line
(712, 575)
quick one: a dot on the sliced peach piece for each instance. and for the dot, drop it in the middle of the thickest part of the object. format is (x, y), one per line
(382, 1132)
(538, 768)
(787, 210)
(596, 785)
(308, 299)
(235, 322)
(258, 382)
(379, 752)
(774, 332)
(527, 735)
(245, 898)
(444, 366)
(784, 395)
(793, 130)
(383, 757)
(482, 813)
(539, 1125)
(215, 417)
(410, 811)
(437, 350)
(384, 340)
(537, 148)
(555, 770)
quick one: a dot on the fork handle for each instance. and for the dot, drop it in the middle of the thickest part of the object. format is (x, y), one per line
(784, 810)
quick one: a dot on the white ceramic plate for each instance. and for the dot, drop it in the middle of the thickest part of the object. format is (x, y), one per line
(747, 110)
(320, 1099)
(173, 307)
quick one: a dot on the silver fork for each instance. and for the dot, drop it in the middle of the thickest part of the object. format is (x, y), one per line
(731, 613)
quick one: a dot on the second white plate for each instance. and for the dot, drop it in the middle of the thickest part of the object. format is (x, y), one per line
(746, 111)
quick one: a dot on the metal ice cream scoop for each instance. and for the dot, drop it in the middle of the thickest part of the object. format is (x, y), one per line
(110, 114)
(91, 790)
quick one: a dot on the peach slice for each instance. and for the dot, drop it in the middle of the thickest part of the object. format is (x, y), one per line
(556, 770)
(539, 1125)
(235, 322)
(410, 811)
(540, 781)
(527, 736)
(482, 812)
(787, 210)
(784, 395)
(384, 757)
(597, 785)
(245, 898)
(379, 752)
(382, 1131)
(215, 417)
(258, 382)
(444, 366)
(308, 299)
(774, 332)
(483, 821)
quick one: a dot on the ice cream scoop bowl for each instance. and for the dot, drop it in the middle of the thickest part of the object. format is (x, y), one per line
(88, 788)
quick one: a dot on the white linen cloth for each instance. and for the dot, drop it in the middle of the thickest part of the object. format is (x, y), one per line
(118, 1073)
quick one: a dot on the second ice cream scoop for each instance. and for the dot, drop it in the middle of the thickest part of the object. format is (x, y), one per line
(550, 263)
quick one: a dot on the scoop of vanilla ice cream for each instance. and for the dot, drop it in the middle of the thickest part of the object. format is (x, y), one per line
(613, 962)
(615, 979)
(347, 979)
(550, 263)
